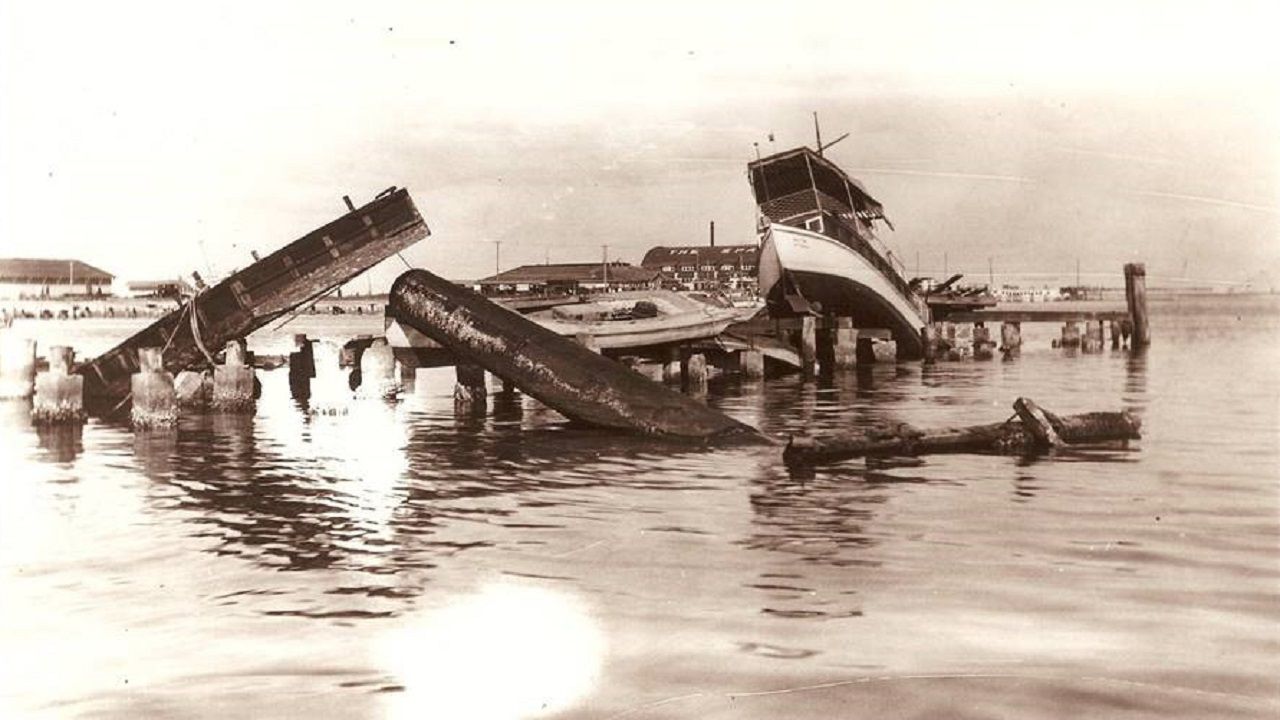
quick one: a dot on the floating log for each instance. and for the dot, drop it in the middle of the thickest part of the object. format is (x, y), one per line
(1013, 436)
(582, 385)
(266, 290)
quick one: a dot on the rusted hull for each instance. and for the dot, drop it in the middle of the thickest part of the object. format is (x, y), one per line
(580, 384)
(251, 298)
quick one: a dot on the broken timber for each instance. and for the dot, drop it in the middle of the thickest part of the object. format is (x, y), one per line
(582, 385)
(1010, 437)
(269, 288)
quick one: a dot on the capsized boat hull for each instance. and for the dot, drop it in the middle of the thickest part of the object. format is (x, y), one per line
(834, 279)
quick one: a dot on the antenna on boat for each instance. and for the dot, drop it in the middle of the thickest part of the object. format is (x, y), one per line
(817, 131)
(756, 145)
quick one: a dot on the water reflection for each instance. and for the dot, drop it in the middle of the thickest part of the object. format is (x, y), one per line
(61, 443)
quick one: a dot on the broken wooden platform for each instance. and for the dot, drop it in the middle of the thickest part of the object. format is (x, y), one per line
(303, 270)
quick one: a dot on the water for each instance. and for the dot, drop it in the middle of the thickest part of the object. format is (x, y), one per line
(401, 562)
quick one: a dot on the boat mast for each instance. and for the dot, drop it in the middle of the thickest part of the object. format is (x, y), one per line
(817, 131)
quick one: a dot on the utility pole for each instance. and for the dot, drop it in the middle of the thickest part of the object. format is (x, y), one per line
(605, 267)
(945, 268)
(1077, 272)
(991, 274)
(497, 256)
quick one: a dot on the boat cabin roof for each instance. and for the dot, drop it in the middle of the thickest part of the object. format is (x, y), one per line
(802, 169)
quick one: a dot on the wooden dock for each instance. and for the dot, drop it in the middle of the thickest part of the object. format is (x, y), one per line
(1064, 311)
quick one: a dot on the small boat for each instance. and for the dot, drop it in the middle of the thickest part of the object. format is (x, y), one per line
(637, 319)
(820, 253)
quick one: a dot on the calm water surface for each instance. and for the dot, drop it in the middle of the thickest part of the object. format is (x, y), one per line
(399, 561)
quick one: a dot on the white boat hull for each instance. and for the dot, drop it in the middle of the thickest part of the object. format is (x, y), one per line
(835, 279)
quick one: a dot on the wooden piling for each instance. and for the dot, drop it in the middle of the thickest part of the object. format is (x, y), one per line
(17, 366)
(1093, 336)
(808, 345)
(1010, 337)
(751, 364)
(1070, 334)
(59, 395)
(1135, 294)
(378, 377)
(929, 341)
(302, 367)
(983, 347)
(233, 382)
(154, 402)
(695, 374)
(671, 368)
(470, 393)
(844, 344)
(1115, 334)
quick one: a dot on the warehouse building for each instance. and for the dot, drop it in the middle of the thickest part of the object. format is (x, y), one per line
(22, 278)
(707, 268)
(570, 278)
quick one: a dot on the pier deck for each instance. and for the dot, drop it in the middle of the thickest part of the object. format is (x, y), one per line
(1066, 311)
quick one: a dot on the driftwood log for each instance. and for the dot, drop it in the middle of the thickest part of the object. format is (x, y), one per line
(1032, 429)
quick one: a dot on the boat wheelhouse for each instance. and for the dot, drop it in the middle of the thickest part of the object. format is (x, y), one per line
(820, 253)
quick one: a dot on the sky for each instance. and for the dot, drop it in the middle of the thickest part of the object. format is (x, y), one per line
(151, 139)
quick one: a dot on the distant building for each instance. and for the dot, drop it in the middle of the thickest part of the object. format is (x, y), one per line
(725, 268)
(159, 288)
(569, 278)
(40, 278)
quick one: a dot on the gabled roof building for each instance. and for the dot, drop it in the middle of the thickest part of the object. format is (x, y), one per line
(570, 278)
(39, 277)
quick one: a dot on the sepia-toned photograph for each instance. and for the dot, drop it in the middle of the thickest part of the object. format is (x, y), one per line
(654, 361)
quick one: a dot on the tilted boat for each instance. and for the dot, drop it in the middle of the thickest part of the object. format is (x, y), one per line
(820, 254)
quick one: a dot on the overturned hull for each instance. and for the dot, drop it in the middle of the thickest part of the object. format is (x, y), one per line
(269, 288)
(567, 377)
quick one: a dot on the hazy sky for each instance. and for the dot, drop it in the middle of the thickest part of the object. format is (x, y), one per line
(153, 139)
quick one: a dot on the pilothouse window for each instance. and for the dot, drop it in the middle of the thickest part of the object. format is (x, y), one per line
(814, 224)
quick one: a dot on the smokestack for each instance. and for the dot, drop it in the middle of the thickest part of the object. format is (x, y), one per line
(713, 233)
